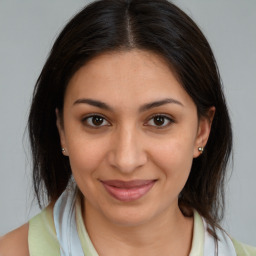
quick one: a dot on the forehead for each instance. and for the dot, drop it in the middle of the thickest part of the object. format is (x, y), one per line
(123, 77)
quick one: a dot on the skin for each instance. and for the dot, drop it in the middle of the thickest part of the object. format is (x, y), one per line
(15, 242)
(129, 144)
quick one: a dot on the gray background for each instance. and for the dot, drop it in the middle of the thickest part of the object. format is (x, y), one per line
(27, 31)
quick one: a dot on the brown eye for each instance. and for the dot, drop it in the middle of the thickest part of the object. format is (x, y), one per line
(160, 121)
(95, 121)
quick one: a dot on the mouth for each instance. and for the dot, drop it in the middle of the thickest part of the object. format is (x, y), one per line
(127, 191)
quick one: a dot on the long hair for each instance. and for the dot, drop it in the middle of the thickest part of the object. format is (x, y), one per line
(122, 25)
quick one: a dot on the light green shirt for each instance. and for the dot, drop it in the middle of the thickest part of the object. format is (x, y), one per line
(43, 241)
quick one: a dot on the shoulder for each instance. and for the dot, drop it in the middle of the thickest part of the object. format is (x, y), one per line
(37, 237)
(42, 237)
(15, 242)
(243, 249)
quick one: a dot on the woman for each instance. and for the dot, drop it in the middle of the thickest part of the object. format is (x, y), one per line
(130, 136)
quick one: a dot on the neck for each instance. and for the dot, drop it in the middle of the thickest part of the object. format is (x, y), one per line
(166, 234)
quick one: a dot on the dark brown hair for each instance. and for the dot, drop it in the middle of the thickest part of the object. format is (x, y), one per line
(121, 25)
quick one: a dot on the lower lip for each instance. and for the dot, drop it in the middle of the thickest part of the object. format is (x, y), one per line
(129, 194)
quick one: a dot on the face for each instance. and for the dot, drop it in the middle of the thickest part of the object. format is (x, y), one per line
(131, 132)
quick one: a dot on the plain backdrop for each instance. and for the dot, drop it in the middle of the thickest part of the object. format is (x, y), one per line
(28, 29)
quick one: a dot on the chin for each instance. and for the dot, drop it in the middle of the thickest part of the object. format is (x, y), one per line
(129, 216)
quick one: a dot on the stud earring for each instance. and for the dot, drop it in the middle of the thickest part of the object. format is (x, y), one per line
(63, 150)
(201, 150)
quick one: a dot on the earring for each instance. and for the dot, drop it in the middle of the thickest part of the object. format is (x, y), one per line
(63, 150)
(201, 150)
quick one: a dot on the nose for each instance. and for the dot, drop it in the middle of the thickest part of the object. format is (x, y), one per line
(127, 153)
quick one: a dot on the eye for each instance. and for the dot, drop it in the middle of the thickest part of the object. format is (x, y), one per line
(160, 121)
(95, 121)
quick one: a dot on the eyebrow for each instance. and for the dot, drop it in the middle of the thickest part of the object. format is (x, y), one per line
(159, 103)
(95, 103)
(145, 107)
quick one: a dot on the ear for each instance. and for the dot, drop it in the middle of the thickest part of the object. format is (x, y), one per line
(60, 128)
(204, 129)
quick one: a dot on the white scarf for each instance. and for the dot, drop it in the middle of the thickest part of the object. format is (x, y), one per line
(65, 224)
(224, 246)
(70, 245)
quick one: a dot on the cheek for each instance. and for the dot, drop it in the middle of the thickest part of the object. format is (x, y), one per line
(174, 157)
(85, 156)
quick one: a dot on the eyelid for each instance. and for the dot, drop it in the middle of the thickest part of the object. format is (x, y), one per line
(166, 116)
(91, 115)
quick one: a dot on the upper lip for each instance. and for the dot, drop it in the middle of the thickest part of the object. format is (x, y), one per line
(127, 184)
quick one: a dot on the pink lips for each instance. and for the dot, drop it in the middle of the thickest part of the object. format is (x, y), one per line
(128, 190)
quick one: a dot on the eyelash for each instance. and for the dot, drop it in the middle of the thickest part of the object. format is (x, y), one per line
(166, 117)
(85, 121)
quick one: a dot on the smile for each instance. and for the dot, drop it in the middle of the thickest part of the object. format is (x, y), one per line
(128, 190)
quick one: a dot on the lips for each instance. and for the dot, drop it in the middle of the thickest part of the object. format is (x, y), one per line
(128, 190)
